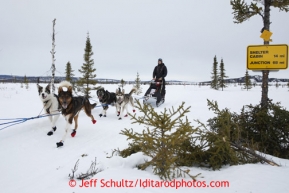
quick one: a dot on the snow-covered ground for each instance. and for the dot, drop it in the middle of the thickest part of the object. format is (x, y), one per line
(30, 161)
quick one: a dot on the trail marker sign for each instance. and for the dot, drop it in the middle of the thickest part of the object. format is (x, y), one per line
(266, 35)
(267, 57)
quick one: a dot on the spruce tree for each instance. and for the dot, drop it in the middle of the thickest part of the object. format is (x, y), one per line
(162, 139)
(87, 69)
(243, 11)
(277, 84)
(68, 72)
(248, 84)
(214, 82)
(221, 82)
(137, 85)
(231, 138)
(26, 81)
(122, 83)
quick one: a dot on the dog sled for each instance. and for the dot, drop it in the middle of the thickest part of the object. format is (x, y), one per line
(153, 94)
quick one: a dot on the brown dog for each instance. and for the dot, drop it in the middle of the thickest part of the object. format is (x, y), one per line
(71, 107)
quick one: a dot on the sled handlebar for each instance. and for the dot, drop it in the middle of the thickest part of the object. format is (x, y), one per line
(156, 82)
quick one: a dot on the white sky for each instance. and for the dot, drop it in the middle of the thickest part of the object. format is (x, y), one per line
(128, 36)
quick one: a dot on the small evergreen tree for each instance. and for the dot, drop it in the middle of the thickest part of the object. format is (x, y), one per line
(162, 139)
(277, 84)
(68, 72)
(248, 84)
(137, 85)
(221, 82)
(26, 81)
(122, 83)
(87, 69)
(214, 82)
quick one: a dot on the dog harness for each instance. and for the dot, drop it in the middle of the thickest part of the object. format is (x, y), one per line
(47, 109)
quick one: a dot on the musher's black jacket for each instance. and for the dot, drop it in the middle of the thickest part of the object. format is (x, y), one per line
(160, 71)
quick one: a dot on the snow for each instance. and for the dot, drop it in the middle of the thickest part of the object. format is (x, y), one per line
(30, 161)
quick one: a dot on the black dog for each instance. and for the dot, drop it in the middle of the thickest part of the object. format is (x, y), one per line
(105, 98)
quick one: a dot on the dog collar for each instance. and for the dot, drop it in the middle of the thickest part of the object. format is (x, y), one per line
(45, 102)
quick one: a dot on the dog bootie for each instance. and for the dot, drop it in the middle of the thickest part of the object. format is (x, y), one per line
(50, 133)
(133, 111)
(59, 144)
(93, 121)
(100, 115)
(73, 133)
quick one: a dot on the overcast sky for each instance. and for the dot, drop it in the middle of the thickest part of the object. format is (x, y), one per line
(128, 36)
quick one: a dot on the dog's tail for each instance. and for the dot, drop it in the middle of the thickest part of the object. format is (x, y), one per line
(93, 105)
(132, 91)
(98, 88)
(65, 84)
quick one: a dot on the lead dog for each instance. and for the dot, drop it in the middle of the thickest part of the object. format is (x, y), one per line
(122, 101)
(71, 107)
(50, 105)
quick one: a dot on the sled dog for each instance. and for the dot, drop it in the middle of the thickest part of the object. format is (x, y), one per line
(70, 107)
(105, 98)
(122, 101)
(50, 105)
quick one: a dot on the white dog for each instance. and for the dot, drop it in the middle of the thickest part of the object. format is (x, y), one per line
(50, 105)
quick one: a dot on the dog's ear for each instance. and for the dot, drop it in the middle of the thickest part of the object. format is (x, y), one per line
(69, 89)
(38, 86)
(60, 89)
(48, 86)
